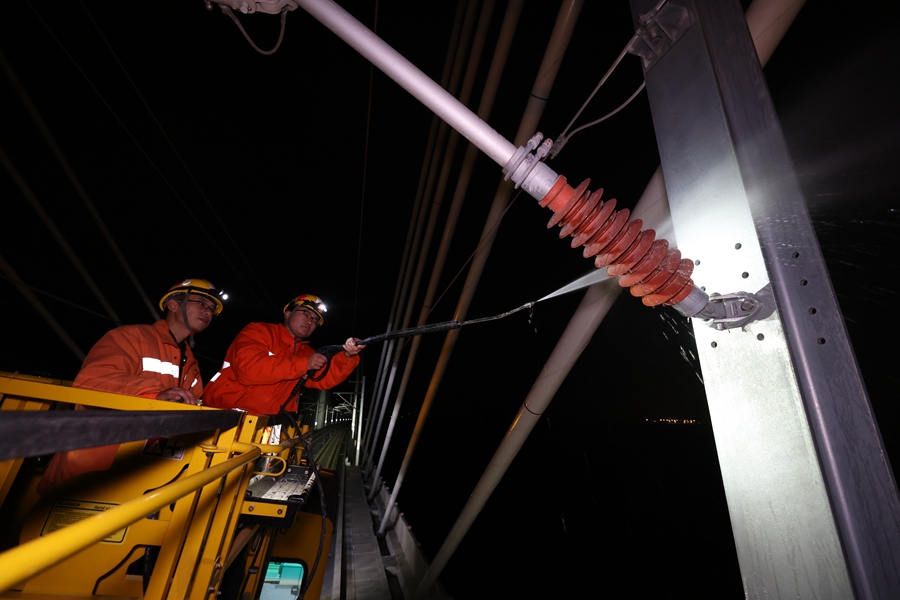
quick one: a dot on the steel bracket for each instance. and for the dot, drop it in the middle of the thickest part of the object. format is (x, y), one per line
(737, 310)
(658, 31)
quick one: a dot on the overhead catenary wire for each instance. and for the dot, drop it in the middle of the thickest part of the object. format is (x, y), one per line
(609, 114)
(187, 170)
(565, 136)
(75, 181)
(168, 184)
(41, 309)
(598, 86)
(20, 283)
(365, 169)
(227, 10)
(32, 198)
(471, 256)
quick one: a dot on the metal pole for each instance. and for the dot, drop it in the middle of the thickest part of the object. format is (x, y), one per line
(452, 69)
(436, 270)
(361, 418)
(376, 431)
(387, 351)
(501, 52)
(320, 411)
(337, 567)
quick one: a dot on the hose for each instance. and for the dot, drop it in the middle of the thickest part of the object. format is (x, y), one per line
(329, 351)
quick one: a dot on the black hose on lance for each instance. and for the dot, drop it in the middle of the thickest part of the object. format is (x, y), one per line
(435, 327)
(402, 333)
(329, 351)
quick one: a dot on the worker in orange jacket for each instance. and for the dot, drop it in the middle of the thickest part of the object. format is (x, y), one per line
(148, 361)
(266, 361)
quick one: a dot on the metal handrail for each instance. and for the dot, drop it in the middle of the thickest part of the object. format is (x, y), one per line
(23, 562)
(72, 430)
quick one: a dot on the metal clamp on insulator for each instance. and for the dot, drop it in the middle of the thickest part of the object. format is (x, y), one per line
(537, 159)
(731, 311)
(522, 152)
(528, 171)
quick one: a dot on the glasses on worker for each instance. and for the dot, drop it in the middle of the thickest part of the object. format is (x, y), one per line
(205, 306)
(310, 315)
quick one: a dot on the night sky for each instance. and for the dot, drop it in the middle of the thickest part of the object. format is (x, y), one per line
(276, 175)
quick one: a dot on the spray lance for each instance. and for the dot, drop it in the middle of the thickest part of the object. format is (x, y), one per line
(329, 351)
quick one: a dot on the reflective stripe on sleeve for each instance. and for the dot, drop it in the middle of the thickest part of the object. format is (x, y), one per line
(154, 365)
(225, 365)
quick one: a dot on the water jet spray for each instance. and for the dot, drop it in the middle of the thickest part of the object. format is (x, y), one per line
(582, 282)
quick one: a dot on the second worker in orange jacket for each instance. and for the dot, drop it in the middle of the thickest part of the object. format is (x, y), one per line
(266, 360)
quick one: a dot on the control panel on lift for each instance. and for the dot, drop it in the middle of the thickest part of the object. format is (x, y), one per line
(275, 500)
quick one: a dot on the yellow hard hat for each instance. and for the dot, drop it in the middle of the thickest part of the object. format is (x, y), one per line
(308, 301)
(200, 287)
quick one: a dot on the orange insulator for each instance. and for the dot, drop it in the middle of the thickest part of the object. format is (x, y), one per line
(653, 272)
(594, 222)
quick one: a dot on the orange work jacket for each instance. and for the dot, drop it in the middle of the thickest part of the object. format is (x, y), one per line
(134, 360)
(139, 360)
(262, 366)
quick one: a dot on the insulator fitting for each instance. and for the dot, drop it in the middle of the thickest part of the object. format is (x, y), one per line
(653, 272)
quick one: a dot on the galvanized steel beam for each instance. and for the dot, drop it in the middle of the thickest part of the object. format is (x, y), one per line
(813, 502)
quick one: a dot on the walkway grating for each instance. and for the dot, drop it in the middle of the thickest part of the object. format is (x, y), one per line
(363, 563)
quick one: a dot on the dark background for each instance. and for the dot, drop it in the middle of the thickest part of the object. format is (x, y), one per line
(275, 175)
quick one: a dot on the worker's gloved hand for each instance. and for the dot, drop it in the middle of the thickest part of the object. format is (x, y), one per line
(177, 394)
(351, 348)
(315, 362)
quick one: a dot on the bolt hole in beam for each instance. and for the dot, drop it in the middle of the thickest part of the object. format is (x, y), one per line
(812, 311)
(796, 255)
(714, 344)
(737, 246)
(697, 262)
(820, 341)
(745, 274)
(760, 337)
(803, 282)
